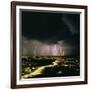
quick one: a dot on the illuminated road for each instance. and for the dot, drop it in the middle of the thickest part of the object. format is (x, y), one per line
(39, 70)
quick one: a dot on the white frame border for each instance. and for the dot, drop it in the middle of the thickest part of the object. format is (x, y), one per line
(58, 79)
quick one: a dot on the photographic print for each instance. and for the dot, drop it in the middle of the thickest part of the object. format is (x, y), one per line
(49, 44)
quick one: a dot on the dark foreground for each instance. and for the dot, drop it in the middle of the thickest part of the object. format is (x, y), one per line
(49, 66)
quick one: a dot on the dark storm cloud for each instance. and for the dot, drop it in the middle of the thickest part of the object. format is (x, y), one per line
(73, 22)
(48, 26)
(41, 29)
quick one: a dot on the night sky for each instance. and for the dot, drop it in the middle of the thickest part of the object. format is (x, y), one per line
(50, 33)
